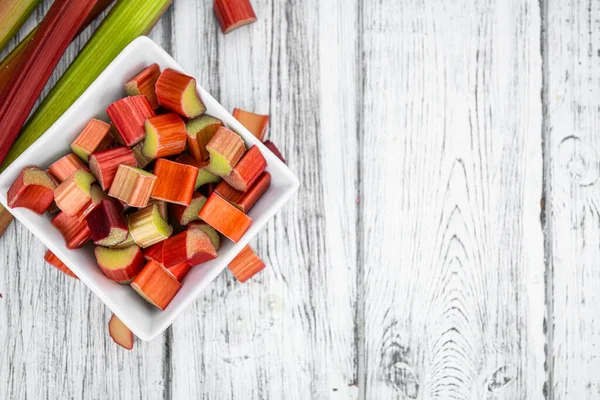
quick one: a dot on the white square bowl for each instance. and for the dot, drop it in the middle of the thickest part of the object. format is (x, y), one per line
(145, 320)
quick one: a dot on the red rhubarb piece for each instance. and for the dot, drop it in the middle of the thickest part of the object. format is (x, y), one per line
(245, 200)
(271, 146)
(66, 166)
(175, 182)
(51, 259)
(128, 115)
(33, 189)
(225, 218)
(156, 285)
(120, 265)
(233, 14)
(247, 171)
(120, 333)
(76, 233)
(107, 224)
(257, 124)
(165, 136)
(246, 264)
(144, 84)
(104, 164)
(177, 92)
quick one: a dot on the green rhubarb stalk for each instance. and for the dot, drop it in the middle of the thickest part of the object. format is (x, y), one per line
(127, 20)
(13, 14)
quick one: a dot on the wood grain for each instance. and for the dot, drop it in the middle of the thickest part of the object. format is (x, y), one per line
(452, 178)
(573, 192)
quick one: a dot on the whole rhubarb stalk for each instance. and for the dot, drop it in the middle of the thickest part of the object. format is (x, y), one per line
(13, 14)
(59, 27)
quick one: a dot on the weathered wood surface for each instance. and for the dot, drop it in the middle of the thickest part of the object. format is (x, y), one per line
(412, 262)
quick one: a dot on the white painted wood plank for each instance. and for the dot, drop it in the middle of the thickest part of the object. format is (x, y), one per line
(289, 333)
(573, 95)
(54, 338)
(452, 179)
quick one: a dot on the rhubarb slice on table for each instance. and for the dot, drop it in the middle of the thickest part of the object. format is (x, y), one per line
(66, 166)
(147, 227)
(95, 137)
(128, 115)
(174, 182)
(246, 264)
(177, 92)
(165, 136)
(244, 201)
(120, 265)
(193, 246)
(133, 186)
(271, 146)
(257, 124)
(226, 149)
(74, 193)
(51, 259)
(156, 285)
(104, 164)
(225, 218)
(247, 171)
(144, 84)
(107, 224)
(233, 14)
(120, 333)
(33, 189)
(186, 214)
(204, 176)
(199, 132)
(76, 233)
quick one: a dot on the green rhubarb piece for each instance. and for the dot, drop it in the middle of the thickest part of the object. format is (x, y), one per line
(191, 102)
(191, 212)
(219, 164)
(205, 177)
(84, 180)
(150, 141)
(147, 226)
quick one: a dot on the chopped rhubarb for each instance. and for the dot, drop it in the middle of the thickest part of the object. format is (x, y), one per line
(210, 231)
(148, 227)
(180, 270)
(142, 160)
(107, 225)
(186, 214)
(225, 218)
(177, 92)
(156, 285)
(257, 124)
(174, 182)
(128, 115)
(120, 265)
(33, 189)
(271, 146)
(51, 259)
(95, 137)
(204, 176)
(193, 246)
(233, 14)
(66, 166)
(104, 164)
(226, 149)
(199, 132)
(247, 171)
(165, 136)
(133, 186)
(128, 240)
(144, 84)
(163, 208)
(246, 264)
(120, 333)
(74, 193)
(97, 196)
(245, 200)
(154, 252)
(76, 233)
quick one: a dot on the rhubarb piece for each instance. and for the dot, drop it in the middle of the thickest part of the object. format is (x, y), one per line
(74, 193)
(199, 132)
(107, 225)
(76, 233)
(128, 116)
(144, 84)
(271, 146)
(245, 201)
(104, 164)
(33, 189)
(246, 264)
(59, 27)
(154, 252)
(120, 333)
(180, 270)
(5, 219)
(193, 246)
(51, 259)
(95, 137)
(257, 124)
(13, 14)
(247, 171)
(226, 149)
(120, 265)
(66, 166)
(165, 136)
(225, 218)
(156, 285)
(174, 182)
(177, 92)
(210, 231)
(133, 186)
(204, 176)
(186, 214)
(147, 227)
(127, 20)
(97, 196)
(142, 160)
(233, 14)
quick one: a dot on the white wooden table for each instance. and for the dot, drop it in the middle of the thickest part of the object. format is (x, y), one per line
(445, 243)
